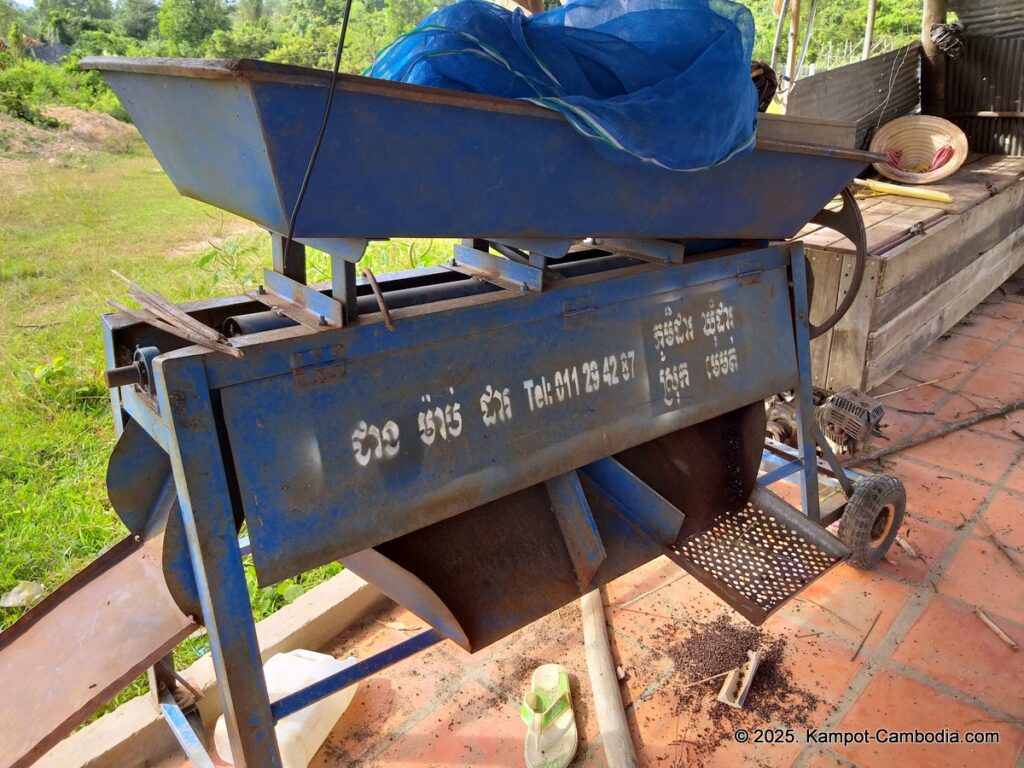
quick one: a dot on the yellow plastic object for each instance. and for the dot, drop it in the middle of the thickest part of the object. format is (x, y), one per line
(885, 188)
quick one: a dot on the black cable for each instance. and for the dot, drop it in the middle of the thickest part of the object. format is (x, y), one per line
(323, 128)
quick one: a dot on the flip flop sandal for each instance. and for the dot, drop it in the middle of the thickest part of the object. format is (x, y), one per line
(551, 736)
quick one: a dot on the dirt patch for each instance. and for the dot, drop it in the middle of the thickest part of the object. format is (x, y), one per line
(81, 133)
(714, 647)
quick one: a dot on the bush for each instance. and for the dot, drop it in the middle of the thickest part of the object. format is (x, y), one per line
(26, 86)
(12, 105)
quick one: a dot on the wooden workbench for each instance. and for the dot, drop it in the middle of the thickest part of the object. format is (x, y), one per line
(916, 284)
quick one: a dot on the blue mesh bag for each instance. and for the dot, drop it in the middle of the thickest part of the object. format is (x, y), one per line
(663, 82)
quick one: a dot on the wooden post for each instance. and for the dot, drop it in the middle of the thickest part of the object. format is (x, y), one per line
(869, 29)
(611, 717)
(933, 61)
(793, 51)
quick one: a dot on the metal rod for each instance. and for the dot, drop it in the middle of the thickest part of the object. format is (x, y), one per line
(185, 735)
(294, 702)
(787, 469)
(804, 403)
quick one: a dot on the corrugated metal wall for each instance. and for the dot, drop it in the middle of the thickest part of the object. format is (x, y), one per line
(992, 18)
(989, 77)
(869, 93)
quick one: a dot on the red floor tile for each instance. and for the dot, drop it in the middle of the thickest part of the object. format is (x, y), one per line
(1004, 310)
(981, 575)
(919, 400)
(820, 758)
(896, 425)
(927, 541)
(1015, 481)
(936, 495)
(961, 348)
(472, 728)
(971, 453)
(1018, 339)
(663, 736)
(995, 384)
(843, 603)
(949, 643)
(816, 664)
(981, 327)
(964, 405)
(898, 703)
(1008, 359)
(1005, 519)
(926, 367)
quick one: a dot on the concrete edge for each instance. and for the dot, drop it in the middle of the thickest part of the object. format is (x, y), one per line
(135, 735)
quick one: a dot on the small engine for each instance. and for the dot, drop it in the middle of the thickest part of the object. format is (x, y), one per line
(849, 418)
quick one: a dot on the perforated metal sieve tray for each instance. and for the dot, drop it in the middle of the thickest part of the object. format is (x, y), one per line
(758, 557)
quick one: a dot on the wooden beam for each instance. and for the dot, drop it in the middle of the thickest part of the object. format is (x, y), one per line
(933, 61)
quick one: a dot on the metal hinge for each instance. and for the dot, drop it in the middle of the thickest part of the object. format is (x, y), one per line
(749, 271)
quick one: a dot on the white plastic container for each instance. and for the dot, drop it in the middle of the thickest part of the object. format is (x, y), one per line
(300, 735)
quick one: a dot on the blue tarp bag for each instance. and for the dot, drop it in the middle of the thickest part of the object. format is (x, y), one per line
(664, 82)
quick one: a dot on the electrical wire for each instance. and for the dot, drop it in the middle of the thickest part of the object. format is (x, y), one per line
(323, 128)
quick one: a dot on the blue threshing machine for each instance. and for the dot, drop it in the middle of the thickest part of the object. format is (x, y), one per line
(580, 391)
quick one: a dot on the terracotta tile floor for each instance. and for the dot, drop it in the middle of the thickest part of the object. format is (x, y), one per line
(928, 664)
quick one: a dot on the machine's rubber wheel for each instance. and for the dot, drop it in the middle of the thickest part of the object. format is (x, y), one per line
(872, 519)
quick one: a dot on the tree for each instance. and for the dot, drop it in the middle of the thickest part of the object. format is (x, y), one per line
(246, 41)
(250, 11)
(187, 24)
(15, 40)
(138, 18)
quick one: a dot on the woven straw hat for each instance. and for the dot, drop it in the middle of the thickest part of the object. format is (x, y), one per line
(914, 142)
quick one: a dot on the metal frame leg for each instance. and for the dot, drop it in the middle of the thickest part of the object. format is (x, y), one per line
(216, 559)
(804, 392)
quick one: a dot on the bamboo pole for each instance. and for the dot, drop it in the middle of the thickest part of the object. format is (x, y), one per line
(869, 29)
(794, 44)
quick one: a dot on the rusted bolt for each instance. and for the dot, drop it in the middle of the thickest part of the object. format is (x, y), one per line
(261, 290)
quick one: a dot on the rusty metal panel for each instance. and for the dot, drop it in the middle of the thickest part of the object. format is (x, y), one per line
(81, 645)
(991, 18)
(989, 77)
(869, 93)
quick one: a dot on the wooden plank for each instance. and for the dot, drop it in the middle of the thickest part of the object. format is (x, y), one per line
(873, 216)
(878, 233)
(919, 265)
(807, 130)
(810, 228)
(891, 333)
(969, 186)
(850, 336)
(827, 268)
(1009, 257)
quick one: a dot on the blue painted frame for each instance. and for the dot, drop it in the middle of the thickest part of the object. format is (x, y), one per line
(184, 421)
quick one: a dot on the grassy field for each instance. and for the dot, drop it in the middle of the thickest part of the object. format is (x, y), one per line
(62, 229)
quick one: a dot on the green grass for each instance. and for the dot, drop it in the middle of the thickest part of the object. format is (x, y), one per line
(61, 232)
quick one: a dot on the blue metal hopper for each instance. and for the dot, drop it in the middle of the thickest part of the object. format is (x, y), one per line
(403, 160)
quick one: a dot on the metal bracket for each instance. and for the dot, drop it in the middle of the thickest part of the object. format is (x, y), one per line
(503, 272)
(648, 249)
(579, 529)
(549, 248)
(305, 305)
(636, 500)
